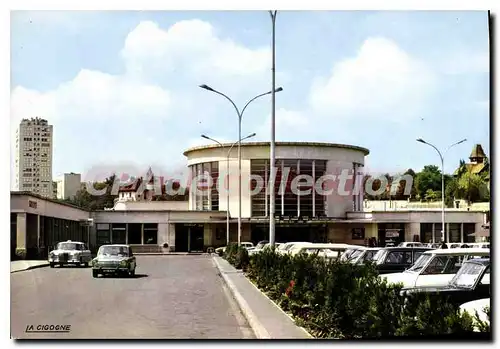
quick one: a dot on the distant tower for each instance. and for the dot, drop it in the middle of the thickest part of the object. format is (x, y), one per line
(34, 144)
(477, 155)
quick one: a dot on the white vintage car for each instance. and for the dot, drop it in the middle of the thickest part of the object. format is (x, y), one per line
(70, 253)
(359, 254)
(436, 267)
(477, 307)
(411, 244)
(327, 250)
(287, 246)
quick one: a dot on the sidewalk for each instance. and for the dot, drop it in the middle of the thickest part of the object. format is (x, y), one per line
(16, 266)
(267, 320)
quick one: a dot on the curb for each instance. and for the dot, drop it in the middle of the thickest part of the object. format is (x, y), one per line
(259, 330)
(284, 312)
(30, 267)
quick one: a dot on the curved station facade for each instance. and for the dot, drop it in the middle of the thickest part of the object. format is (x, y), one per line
(318, 198)
(308, 193)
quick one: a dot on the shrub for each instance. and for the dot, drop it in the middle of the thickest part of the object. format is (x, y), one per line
(341, 300)
(237, 256)
(431, 315)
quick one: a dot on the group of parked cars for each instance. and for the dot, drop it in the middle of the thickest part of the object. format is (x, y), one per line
(461, 271)
(110, 259)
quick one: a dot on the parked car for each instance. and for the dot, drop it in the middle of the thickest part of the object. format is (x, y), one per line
(248, 245)
(286, 247)
(329, 250)
(470, 283)
(477, 307)
(359, 254)
(479, 244)
(397, 259)
(411, 244)
(261, 244)
(436, 267)
(114, 259)
(263, 248)
(70, 253)
(434, 245)
(457, 245)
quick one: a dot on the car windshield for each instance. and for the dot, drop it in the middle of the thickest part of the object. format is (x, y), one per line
(378, 255)
(369, 256)
(467, 275)
(69, 246)
(351, 254)
(420, 263)
(120, 251)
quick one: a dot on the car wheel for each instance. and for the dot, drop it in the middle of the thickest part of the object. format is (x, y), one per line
(51, 265)
(95, 273)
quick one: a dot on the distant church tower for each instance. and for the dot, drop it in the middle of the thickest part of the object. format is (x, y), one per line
(477, 156)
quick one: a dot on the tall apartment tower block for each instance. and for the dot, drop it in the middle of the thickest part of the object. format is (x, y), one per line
(34, 148)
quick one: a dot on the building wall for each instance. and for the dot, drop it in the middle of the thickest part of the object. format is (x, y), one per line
(338, 159)
(152, 206)
(30, 204)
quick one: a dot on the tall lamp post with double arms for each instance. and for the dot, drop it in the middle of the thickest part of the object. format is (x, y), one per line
(240, 116)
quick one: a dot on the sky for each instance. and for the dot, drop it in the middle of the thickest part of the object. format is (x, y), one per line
(121, 87)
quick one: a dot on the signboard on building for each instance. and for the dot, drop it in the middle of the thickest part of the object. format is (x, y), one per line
(392, 233)
(32, 204)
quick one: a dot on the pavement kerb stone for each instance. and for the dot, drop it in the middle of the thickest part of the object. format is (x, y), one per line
(258, 329)
(31, 267)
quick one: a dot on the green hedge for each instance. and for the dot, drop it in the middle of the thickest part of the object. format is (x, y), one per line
(237, 256)
(332, 299)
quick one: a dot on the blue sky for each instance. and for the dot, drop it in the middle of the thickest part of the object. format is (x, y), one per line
(121, 89)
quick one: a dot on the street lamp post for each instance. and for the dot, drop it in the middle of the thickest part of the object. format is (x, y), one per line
(442, 187)
(240, 116)
(227, 174)
(272, 152)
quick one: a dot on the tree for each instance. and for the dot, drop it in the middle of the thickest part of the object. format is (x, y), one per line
(451, 192)
(472, 188)
(400, 192)
(85, 200)
(432, 195)
(428, 178)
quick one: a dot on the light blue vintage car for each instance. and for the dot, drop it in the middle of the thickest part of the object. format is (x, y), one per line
(114, 259)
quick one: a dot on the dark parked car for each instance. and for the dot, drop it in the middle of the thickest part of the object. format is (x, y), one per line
(471, 282)
(397, 259)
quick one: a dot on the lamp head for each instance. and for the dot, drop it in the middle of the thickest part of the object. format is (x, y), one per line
(421, 140)
(279, 89)
(206, 87)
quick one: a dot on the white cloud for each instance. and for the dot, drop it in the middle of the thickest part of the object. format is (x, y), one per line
(190, 46)
(91, 95)
(382, 81)
(465, 62)
(290, 125)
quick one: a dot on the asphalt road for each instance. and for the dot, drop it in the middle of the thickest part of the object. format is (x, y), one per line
(170, 297)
